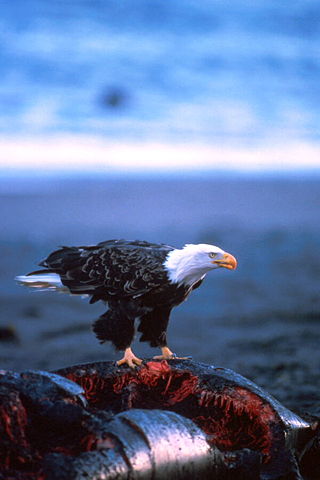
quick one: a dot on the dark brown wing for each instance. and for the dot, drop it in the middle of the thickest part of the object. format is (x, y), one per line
(115, 268)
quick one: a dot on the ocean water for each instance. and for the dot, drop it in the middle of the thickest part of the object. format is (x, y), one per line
(271, 225)
(262, 319)
(205, 71)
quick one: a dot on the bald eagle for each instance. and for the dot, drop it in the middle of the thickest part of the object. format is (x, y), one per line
(137, 279)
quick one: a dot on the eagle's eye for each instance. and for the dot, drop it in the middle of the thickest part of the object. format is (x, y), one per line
(212, 255)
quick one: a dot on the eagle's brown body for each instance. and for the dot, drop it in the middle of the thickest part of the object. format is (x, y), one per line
(138, 280)
(131, 278)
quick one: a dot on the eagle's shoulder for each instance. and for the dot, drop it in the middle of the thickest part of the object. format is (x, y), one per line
(141, 245)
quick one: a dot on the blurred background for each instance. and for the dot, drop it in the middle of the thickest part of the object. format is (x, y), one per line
(176, 122)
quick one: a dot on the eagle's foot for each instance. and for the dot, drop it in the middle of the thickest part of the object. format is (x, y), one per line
(130, 359)
(168, 355)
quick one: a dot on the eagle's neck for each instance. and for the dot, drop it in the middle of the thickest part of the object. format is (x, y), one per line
(182, 267)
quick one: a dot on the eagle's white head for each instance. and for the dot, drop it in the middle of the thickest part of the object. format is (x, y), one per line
(191, 263)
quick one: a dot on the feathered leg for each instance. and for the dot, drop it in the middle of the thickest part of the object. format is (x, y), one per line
(118, 328)
(153, 326)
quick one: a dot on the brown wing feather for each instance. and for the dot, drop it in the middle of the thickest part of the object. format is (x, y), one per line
(112, 268)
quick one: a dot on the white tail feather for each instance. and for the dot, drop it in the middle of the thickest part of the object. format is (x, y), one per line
(43, 281)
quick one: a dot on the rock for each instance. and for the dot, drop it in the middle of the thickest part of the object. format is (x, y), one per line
(8, 334)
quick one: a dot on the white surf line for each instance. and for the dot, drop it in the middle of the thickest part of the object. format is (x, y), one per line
(80, 153)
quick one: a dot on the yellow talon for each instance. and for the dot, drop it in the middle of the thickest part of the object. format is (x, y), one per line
(130, 359)
(168, 355)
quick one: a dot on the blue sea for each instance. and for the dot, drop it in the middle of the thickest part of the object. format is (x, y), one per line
(206, 71)
(265, 315)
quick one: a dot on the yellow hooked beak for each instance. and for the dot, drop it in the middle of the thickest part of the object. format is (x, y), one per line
(227, 261)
